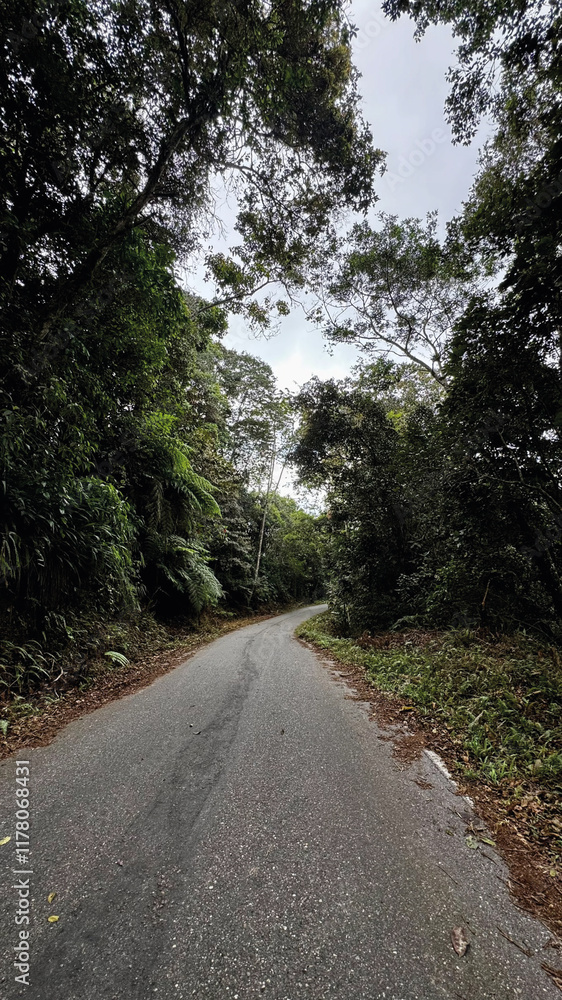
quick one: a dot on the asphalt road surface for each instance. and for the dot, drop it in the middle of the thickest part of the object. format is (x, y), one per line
(237, 831)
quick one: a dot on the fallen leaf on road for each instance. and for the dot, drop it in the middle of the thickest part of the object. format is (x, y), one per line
(459, 940)
(486, 840)
(52, 920)
(471, 842)
(51, 896)
(4, 841)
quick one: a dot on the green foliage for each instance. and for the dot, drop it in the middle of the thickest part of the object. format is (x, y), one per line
(117, 657)
(85, 163)
(107, 462)
(504, 406)
(73, 651)
(56, 547)
(434, 512)
(292, 567)
(380, 479)
(174, 567)
(114, 437)
(482, 529)
(22, 667)
(232, 542)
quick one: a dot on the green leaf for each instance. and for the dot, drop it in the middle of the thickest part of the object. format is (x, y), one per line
(117, 658)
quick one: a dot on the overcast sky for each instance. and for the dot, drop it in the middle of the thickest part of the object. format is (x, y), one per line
(404, 88)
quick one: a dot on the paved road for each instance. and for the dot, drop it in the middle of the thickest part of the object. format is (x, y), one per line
(237, 830)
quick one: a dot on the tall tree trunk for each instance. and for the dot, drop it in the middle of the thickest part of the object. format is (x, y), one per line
(264, 516)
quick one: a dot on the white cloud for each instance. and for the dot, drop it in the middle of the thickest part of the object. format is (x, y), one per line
(296, 353)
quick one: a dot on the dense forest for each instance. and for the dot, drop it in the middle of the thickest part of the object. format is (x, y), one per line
(142, 460)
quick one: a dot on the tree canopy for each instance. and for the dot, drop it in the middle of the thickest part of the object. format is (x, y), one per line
(452, 513)
(141, 458)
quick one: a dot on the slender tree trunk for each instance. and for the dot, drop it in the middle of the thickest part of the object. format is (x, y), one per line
(260, 543)
(264, 516)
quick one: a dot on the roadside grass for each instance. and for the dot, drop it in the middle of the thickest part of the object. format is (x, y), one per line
(36, 674)
(498, 699)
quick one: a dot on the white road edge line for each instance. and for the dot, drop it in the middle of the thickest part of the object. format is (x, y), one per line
(441, 766)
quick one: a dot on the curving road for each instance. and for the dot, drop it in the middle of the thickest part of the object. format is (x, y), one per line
(236, 830)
